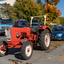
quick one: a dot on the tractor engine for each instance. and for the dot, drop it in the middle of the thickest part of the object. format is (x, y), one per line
(16, 35)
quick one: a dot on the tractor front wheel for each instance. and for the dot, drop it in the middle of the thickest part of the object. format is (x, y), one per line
(2, 51)
(26, 50)
(44, 39)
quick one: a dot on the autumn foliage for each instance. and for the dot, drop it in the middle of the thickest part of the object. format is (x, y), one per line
(58, 12)
(24, 9)
(51, 11)
(52, 2)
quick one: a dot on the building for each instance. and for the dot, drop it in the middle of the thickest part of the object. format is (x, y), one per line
(11, 2)
(2, 10)
(3, 4)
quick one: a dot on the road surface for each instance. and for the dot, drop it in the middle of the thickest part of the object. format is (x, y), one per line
(56, 56)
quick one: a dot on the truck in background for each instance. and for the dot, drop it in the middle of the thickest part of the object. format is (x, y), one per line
(5, 22)
(21, 23)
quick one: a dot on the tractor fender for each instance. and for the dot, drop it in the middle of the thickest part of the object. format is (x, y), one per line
(45, 27)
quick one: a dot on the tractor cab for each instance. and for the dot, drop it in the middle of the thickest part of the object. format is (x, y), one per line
(35, 25)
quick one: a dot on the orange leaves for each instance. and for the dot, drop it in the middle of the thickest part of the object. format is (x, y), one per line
(58, 12)
(52, 12)
(53, 8)
(62, 58)
(49, 57)
(50, 8)
(54, 2)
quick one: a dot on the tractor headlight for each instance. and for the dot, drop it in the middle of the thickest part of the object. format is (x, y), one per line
(18, 35)
(60, 34)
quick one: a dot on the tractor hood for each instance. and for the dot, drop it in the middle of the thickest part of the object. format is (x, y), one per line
(14, 31)
(17, 29)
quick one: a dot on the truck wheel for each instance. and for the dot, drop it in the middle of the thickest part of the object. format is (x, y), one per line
(44, 39)
(26, 50)
(2, 52)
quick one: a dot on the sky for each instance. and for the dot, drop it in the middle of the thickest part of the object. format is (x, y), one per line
(60, 5)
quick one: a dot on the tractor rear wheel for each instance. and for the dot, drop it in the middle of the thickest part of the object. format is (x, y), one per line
(2, 51)
(26, 50)
(44, 39)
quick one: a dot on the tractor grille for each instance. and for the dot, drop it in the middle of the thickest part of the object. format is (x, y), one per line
(24, 34)
(53, 36)
(8, 34)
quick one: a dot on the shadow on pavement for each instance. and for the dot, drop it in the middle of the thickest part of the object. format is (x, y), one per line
(2, 34)
(13, 50)
(17, 51)
(35, 47)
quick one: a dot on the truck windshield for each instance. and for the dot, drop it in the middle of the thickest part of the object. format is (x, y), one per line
(57, 29)
(5, 21)
(23, 23)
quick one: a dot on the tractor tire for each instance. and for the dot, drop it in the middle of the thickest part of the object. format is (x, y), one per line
(44, 39)
(26, 50)
(2, 52)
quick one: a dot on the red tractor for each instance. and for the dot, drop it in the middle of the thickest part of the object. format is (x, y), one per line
(26, 37)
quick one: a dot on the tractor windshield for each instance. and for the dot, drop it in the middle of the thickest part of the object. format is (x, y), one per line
(35, 23)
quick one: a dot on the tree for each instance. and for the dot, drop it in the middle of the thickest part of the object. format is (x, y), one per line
(24, 9)
(51, 11)
(39, 1)
(53, 2)
(0, 16)
(10, 12)
(61, 20)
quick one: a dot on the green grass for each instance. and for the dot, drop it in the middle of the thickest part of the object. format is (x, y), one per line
(57, 43)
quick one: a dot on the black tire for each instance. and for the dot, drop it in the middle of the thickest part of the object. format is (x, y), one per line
(42, 38)
(24, 48)
(3, 53)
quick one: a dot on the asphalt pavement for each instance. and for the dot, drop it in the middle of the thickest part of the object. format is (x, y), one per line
(2, 37)
(56, 56)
